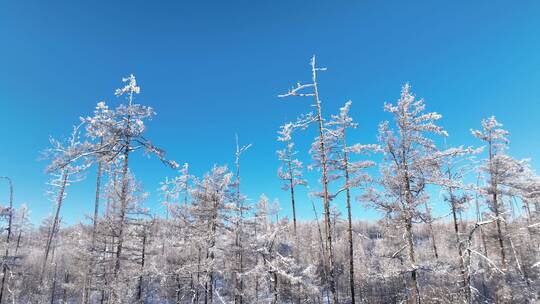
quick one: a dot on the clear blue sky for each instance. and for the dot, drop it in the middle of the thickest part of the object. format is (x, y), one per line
(214, 68)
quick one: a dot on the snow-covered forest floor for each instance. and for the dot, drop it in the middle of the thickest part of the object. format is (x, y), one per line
(213, 246)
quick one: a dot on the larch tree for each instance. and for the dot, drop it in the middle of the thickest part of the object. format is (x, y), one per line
(353, 172)
(130, 129)
(290, 170)
(312, 90)
(275, 270)
(68, 161)
(456, 166)
(239, 200)
(211, 209)
(500, 170)
(21, 230)
(98, 129)
(411, 162)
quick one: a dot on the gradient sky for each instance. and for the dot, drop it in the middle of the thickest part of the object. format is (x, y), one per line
(214, 68)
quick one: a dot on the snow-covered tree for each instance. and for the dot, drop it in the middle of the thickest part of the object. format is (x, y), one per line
(130, 127)
(7, 212)
(68, 161)
(411, 162)
(353, 172)
(211, 210)
(312, 90)
(290, 170)
(456, 166)
(500, 170)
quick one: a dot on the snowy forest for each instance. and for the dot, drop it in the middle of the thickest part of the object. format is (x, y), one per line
(213, 244)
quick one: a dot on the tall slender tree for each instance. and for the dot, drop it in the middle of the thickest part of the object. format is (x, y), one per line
(239, 223)
(8, 236)
(456, 166)
(500, 170)
(129, 126)
(291, 169)
(68, 162)
(98, 129)
(353, 172)
(411, 161)
(313, 88)
(211, 211)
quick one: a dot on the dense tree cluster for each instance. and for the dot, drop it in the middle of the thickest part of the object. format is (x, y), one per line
(213, 245)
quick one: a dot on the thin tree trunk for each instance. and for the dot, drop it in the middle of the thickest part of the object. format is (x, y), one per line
(326, 199)
(238, 298)
(415, 297)
(499, 231)
(211, 255)
(123, 206)
(527, 207)
(275, 288)
(164, 236)
(291, 186)
(143, 256)
(8, 237)
(178, 289)
(414, 292)
(54, 226)
(464, 272)
(432, 235)
(479, 218)
(53, 289)
(321, 241)
(495, 202)
(349, 218)
(64, 289)
(18, 242)
(518, 264)
(88, 279)
(198, 274)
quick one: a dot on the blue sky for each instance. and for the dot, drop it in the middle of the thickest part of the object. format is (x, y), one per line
(214, 68)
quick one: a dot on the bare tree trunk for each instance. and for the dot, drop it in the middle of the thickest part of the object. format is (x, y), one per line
(321, 241)
(275, 288)
(499, 230)
(211, 288)
(479, 219)
(239, 281)
(88, 277)
(414, 292)
(8, 237)
(164, 236)
(349, 218)
(210, 283)
(256, 284)
(53, 289)
(54, 226)
(108, 247)
(123, 206)
(495, 202)
(518, 264)
(527, 207)
(198, 274)
(64, 289)
(18, 241)
(431, 234)
(408, 202)
(178, 290)
(464, 272)
(291, 186)
(143, 257)
(468, 261)
(326, 199)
